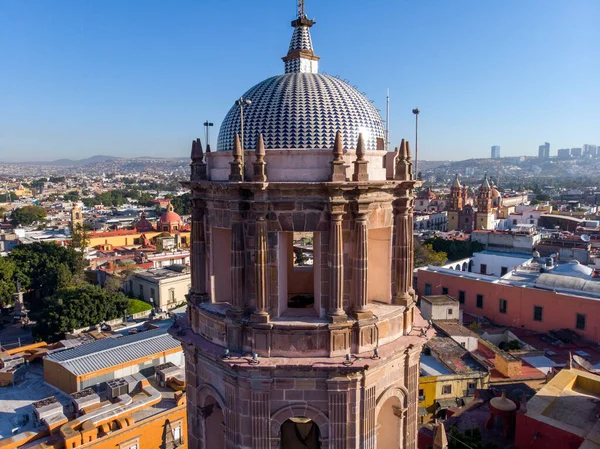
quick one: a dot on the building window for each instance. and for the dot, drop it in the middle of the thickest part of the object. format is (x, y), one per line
(152, 294)
(444, 290)
(141, 292)
(172, 295)
(427, 289)
(580, 322)
(479, 301)
(503, 271)
(483, 269)
(514, 222)
(177, 434)
(449, 311)
(421, 395)
(471, 388)
(537, 313)
(447, 389)
(131, 444)
(503, 305)
(461, 297)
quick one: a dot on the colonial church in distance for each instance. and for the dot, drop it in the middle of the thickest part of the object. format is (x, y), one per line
(320, 351)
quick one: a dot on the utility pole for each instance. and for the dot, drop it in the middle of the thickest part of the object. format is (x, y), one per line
(387, 121)
(241, 103)
(207, 126)
(416, 112)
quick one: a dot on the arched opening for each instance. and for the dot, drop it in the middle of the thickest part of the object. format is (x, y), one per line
(464, 266)
(457, 267)
(214, 424)
(389, 424)
(300, 433)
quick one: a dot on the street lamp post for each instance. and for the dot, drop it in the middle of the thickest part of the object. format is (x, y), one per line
(416, 112)
(241, 103)
(207, 125)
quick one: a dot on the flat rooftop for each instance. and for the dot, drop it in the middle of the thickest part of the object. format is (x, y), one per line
(440, 300)
(16, 401)
(158, 274)
(570, 401)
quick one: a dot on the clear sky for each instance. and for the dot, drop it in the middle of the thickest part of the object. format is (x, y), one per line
(139, 77)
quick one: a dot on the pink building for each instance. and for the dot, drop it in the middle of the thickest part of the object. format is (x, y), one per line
(521, 298)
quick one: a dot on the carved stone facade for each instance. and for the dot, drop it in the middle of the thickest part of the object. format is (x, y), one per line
(341, 370)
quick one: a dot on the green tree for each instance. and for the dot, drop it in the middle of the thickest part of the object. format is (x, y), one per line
(425, 255)
(27, 215)
(40, 267)
(76, 307)
(455, 249)
(8, 197)
(7, 280)
(71, 196)
(181, 204)
(80, 238)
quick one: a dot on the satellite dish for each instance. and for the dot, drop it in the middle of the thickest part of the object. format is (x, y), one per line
(585, 238)
(584, 364)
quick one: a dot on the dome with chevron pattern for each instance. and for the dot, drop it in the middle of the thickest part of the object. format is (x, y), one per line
(303, 109)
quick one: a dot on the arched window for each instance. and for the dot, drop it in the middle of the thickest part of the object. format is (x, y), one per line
(299, 433)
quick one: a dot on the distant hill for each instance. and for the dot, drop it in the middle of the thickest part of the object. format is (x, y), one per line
(80, 162)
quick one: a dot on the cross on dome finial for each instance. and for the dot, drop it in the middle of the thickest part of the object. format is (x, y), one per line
(301, 58)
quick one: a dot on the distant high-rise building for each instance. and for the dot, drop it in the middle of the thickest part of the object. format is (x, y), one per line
(564, 153)
(544, 151)
(496, 152)
(590, 150)
(576, 152)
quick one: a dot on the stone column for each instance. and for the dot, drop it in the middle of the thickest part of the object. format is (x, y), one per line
(370, 420)
(412, 385)
(361, 257)
(261, 314)
(260, 412)
(231, 414)
(336, 267)
(237, 265)
(198, 255)
(403, 237)
(338, 412)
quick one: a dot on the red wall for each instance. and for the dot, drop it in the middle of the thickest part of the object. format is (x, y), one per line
(549, 436)
(559, 310)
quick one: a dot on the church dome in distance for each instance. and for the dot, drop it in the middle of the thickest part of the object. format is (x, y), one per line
(303, 109)
(170, 216)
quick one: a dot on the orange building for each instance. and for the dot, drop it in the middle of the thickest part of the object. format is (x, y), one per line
(142, 415)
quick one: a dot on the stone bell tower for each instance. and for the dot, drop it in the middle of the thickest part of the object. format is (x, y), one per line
(320, 351)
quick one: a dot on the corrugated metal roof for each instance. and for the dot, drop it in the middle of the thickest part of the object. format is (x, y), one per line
(108, 352)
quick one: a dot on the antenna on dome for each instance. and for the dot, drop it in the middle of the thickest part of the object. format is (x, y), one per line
(300, 9)
(387, 120)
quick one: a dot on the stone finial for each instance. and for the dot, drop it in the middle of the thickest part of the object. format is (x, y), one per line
(360, 148)
(199, 171)
(338, 170)
(236, 174)
(440, 440)
(338, 147)
(403, 164)
(260, 165)
(409, 160)
(208, 148)
(260, 148)
(197, 153)
(360, 164)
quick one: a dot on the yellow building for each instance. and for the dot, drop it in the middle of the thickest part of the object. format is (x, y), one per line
(449, 377)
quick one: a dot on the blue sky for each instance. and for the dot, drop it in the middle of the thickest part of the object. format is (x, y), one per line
(139, 77)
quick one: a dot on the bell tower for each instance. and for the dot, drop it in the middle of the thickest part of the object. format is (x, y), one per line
(302, 328)
(455, 204)
(484, 217)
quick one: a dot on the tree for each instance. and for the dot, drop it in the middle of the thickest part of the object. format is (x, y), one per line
(42, 269)
(27, 215)
(80, 238)
(455, 249)
(425, 255)
(8, 197)
(181, 204)
(7, 281)
(71, 196)
(76, 307)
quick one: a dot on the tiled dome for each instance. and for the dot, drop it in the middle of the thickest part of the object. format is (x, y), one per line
(303, 109)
